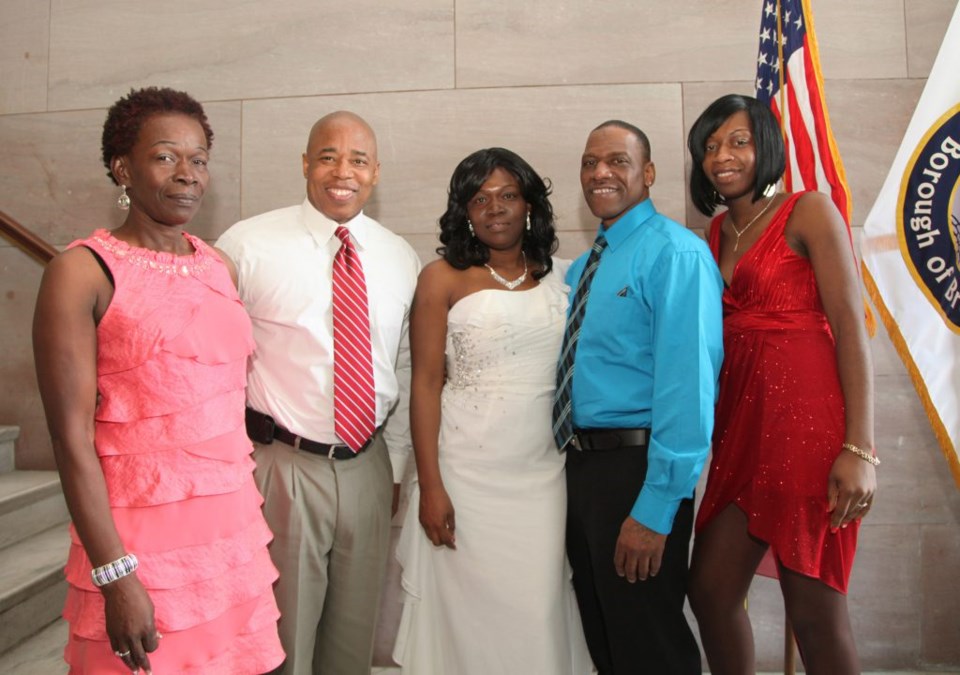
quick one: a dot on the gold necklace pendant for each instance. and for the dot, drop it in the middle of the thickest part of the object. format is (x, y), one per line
(739, 233)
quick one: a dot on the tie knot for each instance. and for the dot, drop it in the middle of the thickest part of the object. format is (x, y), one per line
(343, 234)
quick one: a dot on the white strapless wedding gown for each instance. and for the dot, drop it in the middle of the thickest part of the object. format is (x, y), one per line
(502, 603)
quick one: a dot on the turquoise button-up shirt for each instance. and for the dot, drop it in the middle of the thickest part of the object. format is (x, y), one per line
(649, 352)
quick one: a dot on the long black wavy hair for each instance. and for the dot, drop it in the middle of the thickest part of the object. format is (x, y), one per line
(460, 248)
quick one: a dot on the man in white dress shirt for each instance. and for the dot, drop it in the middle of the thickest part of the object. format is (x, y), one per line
(329, 507)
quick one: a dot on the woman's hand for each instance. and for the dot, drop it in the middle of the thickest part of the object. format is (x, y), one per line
(437, 516)
(850, 489)
(130, 626)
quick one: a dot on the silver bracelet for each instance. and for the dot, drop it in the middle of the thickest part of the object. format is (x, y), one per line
(119, 568)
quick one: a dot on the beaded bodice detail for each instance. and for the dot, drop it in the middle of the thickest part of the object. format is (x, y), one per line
(165, 263)
(501, 343)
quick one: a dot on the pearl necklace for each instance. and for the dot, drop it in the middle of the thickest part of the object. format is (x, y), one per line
(739, 233)
(509, 284)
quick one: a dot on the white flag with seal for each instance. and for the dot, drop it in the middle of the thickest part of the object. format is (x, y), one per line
(911, 247)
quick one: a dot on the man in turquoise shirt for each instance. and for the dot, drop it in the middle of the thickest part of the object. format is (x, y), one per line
(643, 391)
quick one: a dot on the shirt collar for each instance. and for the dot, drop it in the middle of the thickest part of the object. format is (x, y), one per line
(629, 223)
(322, 229)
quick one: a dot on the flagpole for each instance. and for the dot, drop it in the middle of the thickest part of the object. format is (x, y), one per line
(782, 93)
(789, 642)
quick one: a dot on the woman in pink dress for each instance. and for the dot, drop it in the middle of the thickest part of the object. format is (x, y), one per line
(793, 468)
(141, 345)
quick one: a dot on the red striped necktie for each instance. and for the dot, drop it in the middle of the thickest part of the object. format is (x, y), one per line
(354, 401)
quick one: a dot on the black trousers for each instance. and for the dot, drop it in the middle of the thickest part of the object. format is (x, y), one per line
(631, 629)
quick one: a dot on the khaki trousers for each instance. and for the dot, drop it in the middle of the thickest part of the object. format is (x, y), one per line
(331, 525)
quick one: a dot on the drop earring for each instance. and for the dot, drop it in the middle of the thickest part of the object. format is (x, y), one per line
(528, 221)
(123, 201)
(470, 227)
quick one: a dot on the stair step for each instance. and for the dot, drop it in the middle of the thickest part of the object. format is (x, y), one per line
(40, 654)
(32, 586)
(8, 437)
(30, 502)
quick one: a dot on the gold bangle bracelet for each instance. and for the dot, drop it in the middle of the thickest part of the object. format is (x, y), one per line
(862, 454)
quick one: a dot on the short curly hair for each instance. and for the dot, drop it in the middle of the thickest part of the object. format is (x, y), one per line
(463, 250)
(127, 116)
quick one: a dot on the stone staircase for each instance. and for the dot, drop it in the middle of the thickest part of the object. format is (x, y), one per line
(33, 549)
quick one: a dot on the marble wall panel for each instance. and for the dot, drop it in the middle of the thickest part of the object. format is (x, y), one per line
(926, 22)
(574, 243)
(868, 120)
(861, 39)
(940, 491)
(544, 42)
(423, 135)
(886, 360)
(911, 458)
(24, 30)
(765, 608)
(425, 245)
(567, 42)
(56, 185)
(939, 624)
(19, 397)
(883, 596)
(225, 49)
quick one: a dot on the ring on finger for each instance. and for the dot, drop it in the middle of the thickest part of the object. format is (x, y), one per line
(863, 505)
(122, 655)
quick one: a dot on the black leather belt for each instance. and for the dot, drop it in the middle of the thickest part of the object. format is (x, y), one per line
(594, 440)
(264, 429)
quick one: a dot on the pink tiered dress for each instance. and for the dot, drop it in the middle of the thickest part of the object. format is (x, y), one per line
(171, 370)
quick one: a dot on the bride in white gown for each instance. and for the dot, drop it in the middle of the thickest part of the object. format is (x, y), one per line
(486, 583)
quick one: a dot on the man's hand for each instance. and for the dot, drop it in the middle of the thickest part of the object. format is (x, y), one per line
(639, 551)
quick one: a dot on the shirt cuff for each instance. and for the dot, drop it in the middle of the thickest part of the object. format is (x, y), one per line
(653, 512)
(398, 460)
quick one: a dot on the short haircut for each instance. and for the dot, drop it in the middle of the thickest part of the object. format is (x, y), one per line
(126, 117)
(460, 248)
(767, 140)
(620, 124)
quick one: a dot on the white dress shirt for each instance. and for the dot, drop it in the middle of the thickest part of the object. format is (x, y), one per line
(284, 262)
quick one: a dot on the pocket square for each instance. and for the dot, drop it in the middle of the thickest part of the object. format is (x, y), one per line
(622, 293)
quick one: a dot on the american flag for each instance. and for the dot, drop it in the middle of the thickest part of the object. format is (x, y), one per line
(795, 95)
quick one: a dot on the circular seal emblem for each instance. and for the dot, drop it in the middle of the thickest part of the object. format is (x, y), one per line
(928, 214)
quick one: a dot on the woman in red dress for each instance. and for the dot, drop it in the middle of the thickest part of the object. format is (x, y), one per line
(793, 466)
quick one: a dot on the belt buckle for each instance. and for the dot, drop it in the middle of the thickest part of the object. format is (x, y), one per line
(332, 454)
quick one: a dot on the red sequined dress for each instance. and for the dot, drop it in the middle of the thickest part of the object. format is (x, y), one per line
(171, 371)
(780, 416)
